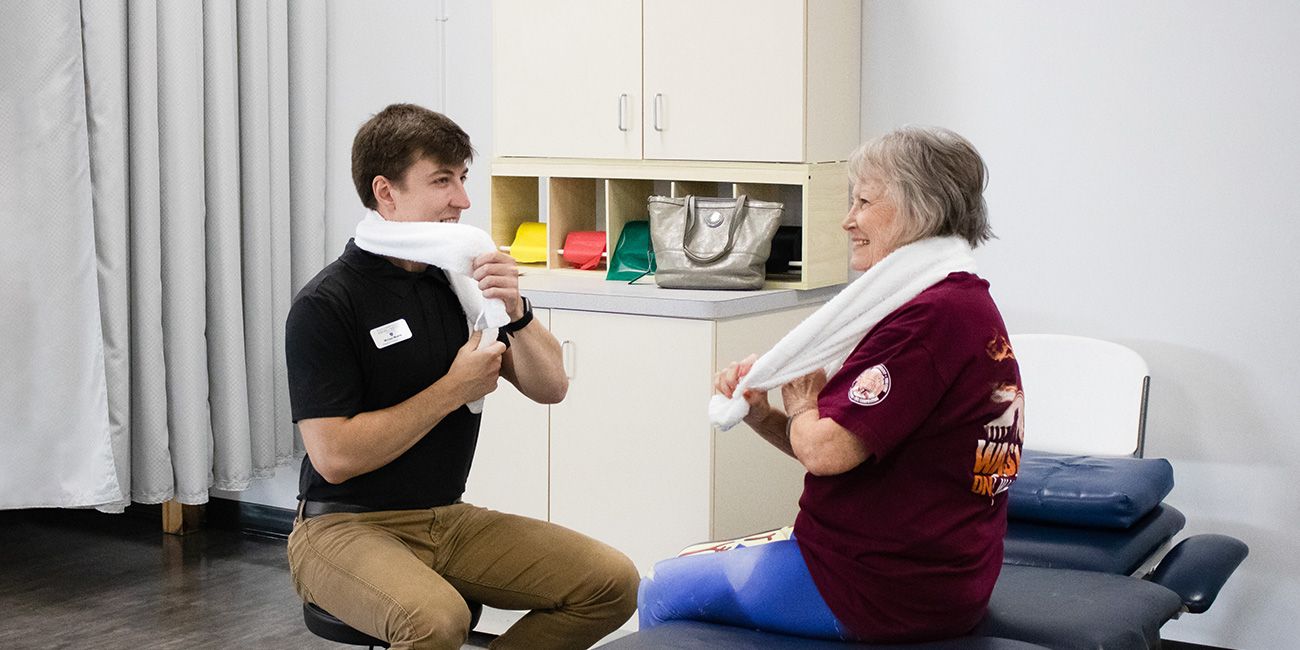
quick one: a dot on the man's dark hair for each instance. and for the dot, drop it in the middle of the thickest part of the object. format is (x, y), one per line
(398, 136)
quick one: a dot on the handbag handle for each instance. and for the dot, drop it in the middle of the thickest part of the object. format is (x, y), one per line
(692, 216)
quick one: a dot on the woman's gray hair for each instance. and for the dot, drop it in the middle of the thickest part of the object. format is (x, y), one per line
(936, 177)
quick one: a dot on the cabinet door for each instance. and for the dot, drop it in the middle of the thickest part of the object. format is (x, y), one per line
(567, 78)
(724, 80)
(631, 443)
(510, 472)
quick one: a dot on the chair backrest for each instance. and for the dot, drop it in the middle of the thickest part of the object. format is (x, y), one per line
(1082, 395)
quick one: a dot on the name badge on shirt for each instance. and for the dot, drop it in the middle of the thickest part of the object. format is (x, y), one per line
(394, 332)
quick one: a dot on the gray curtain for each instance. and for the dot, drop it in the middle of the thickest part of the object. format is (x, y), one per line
(199, 173)
(55, 447)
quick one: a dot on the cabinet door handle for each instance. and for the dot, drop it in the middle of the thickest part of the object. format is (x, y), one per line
(567, 356)
(622, 112)
(658, 106)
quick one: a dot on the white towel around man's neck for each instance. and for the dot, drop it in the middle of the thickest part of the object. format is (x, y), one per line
(825, 339)
(449, 246)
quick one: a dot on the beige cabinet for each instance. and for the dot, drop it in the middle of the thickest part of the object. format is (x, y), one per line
(510, 472)
(726, 80)
(631, 450)
(629, 457)
(566, 78)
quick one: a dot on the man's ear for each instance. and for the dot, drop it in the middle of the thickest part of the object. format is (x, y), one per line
(383, 191)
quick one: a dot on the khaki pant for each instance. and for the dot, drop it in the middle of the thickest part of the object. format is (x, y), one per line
(404, 576)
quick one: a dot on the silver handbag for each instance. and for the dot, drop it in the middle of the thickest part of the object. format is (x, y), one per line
(711, 243)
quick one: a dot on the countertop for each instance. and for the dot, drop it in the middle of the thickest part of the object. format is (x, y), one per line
(564, 291)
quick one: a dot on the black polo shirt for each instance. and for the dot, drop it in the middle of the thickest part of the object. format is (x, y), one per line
(364, 335)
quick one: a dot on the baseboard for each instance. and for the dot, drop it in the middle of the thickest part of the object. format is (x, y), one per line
(1166, 644)
(252, 518)
(144, 511)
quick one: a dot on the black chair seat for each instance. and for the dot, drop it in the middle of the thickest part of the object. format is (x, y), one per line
(324, 625)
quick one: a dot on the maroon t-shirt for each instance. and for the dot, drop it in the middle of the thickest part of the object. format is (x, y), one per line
(907, 546)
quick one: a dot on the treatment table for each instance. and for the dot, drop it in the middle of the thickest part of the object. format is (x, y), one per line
(1088, 564)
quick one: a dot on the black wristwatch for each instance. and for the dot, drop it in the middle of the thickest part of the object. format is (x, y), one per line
(512, 327)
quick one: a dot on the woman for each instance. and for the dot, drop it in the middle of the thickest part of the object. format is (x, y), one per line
(909, 446)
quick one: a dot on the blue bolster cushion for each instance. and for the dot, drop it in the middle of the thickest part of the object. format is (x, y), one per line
(1101, 492)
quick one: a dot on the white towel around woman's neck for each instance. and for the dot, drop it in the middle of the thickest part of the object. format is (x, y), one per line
(449, 246)
(825, 339)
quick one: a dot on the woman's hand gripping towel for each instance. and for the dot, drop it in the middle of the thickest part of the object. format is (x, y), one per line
(825, 339)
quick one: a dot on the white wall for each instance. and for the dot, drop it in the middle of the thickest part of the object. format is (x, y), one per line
(1143, 161)
(469, 94)
(380, 53)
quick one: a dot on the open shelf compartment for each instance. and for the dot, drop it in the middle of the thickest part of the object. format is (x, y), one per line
(604, 196)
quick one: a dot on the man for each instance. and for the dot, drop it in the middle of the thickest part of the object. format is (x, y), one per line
(381, 366)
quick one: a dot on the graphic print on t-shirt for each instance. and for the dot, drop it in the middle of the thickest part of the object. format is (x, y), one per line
(997, 455)
(871, 387)
(999, 348)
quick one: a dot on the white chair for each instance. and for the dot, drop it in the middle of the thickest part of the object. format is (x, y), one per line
(1082, 395)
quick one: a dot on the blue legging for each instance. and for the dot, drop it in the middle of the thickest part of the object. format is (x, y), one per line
(764, 587)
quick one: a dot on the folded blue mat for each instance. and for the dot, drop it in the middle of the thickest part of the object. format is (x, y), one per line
(1105, 550)
(1095, 491)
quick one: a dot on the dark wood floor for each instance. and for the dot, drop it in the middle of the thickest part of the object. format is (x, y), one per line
(83, 579)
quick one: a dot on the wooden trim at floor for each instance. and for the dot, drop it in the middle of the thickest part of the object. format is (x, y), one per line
(180, 518)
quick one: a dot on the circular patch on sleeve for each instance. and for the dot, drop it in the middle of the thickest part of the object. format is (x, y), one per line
(871, 387)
